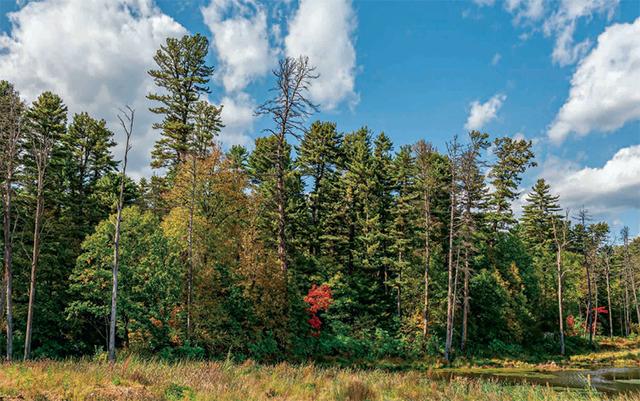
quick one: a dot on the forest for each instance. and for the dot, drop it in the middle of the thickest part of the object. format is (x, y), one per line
(312, 244)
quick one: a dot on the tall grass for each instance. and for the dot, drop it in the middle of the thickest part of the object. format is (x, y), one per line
(135, 379)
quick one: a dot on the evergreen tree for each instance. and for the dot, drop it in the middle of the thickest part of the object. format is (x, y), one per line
(318, 157)
(513, 156)
(403, 228)
(46, 123)
(183, 76)
(472, 195)
(539, 212)
(11, 130)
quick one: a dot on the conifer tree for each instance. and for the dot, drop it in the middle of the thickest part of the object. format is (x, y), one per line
(513, 156)
(472, 195)
(404, 216)
(46, 122)
(430, 184)
(318, 157)
(182, 75)
(11, 130)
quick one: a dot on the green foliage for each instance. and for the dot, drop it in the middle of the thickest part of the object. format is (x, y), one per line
(148, 289)
(183, 76)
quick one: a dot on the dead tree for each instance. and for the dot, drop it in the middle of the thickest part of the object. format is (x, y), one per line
(289, 109)
(454, 154)
(427, 183)
(126, 121)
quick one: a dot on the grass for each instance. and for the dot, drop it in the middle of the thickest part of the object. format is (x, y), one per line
(140, 380)
(134, 379)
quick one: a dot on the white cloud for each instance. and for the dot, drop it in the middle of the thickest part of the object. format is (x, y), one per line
(94, 54)
(238, 118)
(525, 9)
(484, 2)
(614, 186)
(560, 19)
(323, 31)
(496, 59)
(482, 113)
(241, 41)
(562, 24)
(605, 89)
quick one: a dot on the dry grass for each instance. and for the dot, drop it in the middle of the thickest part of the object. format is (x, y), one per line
(134, 379)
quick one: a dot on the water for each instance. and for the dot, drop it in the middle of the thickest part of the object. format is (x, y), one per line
(608, 380)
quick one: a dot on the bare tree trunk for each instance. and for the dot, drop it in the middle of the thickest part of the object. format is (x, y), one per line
(282, 212)
(559, 274)
(450, 293)
(608, 279)
(627, 314)
(8, 259)
(190, 247)
(34, 258)
(595, 310)
(427, 262)
(632, 277)
(589, 304)
(398, 300)
(466, 298)
(561, 243)
(128, 128)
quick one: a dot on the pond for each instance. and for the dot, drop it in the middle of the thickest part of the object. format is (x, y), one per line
(608, 380)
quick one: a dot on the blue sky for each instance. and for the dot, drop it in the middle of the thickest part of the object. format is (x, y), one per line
(411, 69)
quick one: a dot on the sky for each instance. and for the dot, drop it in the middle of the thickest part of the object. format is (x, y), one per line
(564, 74)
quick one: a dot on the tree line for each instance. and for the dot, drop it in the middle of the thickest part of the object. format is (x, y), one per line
(314, 244)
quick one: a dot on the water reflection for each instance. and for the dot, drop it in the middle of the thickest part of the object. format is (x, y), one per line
(609, 380)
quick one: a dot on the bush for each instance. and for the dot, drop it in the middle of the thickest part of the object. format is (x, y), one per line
(185, 351)
(265, 349)
(501, 349)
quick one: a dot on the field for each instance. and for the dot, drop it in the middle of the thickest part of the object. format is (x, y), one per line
(133, 379)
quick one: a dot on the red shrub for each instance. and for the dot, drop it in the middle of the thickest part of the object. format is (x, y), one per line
(319, 299)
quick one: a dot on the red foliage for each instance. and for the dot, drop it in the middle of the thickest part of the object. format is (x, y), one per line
(315, 322)
(601, 309)
(570, 322)
(319, 299)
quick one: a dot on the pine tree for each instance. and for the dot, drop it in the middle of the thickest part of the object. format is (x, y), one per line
(404, 216)
(11, 131)
(472, 195)
(183, 76)
(454, 153)
(87, 146)
(46, 123)
(513, 158)
(431, 184)
(536, 231)
(318, 157)
(539, 210)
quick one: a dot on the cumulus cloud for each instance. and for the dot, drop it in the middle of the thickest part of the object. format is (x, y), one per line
(562, 24)
(605, 89)
(323, 31)
(482, 113)
(238, 118)
(560, 20)
(614, 186)
(240, 40)
(94, 54)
